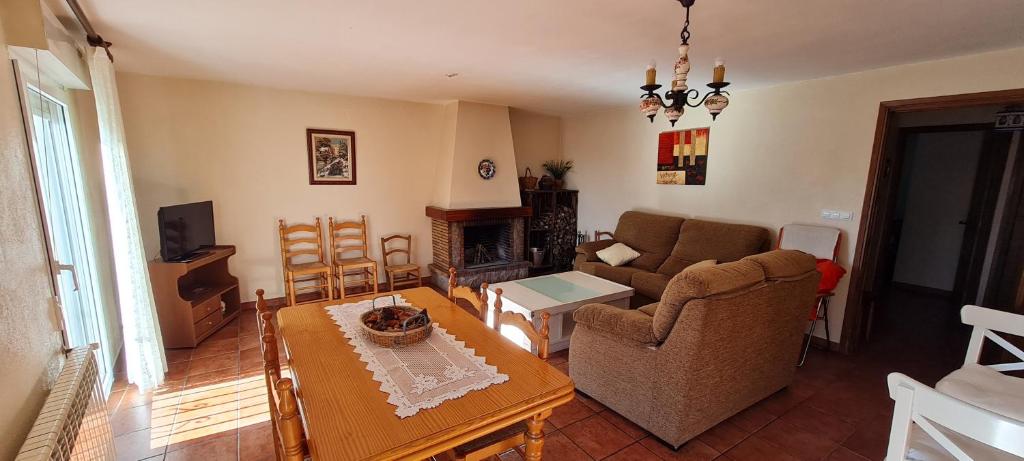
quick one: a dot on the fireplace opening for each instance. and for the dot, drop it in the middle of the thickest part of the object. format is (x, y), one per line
(487, 245)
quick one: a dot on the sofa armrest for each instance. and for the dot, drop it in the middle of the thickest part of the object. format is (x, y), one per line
(617, 322)
(590, 249)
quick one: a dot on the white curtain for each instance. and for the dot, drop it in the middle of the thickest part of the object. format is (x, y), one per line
(143, 346)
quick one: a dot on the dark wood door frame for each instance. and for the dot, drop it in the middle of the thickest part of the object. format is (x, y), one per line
(866, 250)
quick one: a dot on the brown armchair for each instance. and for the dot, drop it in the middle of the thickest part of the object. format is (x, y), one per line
(722, 338)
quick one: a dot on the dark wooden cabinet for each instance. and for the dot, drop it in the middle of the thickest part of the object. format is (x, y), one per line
(551, 227)
(194, 299)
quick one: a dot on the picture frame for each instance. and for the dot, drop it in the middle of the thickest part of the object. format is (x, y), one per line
(683, 156)
(332, 156)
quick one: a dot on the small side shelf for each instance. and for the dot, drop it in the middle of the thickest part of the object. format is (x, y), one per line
(194, 299)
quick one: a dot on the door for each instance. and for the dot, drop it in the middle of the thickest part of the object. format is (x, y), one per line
(62, 199)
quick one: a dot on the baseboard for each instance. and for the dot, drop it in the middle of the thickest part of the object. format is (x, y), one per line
(279, 302)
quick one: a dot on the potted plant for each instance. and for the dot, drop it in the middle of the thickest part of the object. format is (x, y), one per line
(558, 169)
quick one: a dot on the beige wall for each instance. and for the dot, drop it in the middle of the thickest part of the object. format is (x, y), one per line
(538, 138)
(30, 345)
(482, 131)
(777, 155)
(244, 148)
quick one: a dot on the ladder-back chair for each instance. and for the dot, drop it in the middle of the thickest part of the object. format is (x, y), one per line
(350, 255)
(288, 433)
(302, 261)
(400, 272)
(476, 300)
(511, 437)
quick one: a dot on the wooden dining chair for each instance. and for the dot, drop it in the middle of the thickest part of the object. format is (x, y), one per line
(511, 437)
(477, 300)
(350, 255)
(302, 261)
(400, 273)
(288, 433)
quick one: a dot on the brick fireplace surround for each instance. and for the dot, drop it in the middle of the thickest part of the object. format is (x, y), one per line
(483, 244)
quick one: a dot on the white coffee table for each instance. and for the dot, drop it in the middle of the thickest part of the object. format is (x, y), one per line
(559, 295)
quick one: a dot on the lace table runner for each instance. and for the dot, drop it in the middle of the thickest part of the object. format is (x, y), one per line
(421, 375)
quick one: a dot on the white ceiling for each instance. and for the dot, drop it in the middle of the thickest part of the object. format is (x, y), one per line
(555, 56)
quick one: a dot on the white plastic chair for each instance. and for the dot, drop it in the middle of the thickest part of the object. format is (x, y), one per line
(823, 243)
(930, 425)
(975, 412)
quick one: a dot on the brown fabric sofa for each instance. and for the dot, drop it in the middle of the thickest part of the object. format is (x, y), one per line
(667, 245)
(721, 339)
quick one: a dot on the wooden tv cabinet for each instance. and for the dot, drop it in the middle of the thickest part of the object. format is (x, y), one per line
(194, 299)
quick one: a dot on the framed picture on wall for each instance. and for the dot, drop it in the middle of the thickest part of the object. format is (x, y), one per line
(332, 156)
(683, 156)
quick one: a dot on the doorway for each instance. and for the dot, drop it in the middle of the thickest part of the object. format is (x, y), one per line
(62, 201)
(927, 244)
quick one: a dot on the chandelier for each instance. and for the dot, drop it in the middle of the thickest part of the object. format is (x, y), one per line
(679, 95)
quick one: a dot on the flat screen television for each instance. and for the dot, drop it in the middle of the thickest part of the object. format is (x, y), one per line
(185, 230)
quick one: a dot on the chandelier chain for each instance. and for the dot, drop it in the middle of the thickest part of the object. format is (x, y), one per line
(685, 34)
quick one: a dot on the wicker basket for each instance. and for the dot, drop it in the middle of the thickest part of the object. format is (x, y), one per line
(528, 181)
(395, 339)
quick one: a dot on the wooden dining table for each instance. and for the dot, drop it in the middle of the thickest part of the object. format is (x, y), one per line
(347, 416)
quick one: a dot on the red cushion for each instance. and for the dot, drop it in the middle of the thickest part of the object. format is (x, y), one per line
(830, 275)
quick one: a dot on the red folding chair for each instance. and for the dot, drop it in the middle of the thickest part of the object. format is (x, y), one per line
(823, 243)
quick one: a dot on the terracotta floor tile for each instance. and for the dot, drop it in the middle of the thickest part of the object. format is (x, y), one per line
(510, 455)
(176, 371)
(229, 331)
(138, 418)
(782, 401)
(222, 377)
(621, 423)
(247, 341)
(693, 450)
(634, 452)
(256, 443)
(870, 439)
(113, 400)
(590, 402)
(215, 347)
(818, 422)
(596, 436)
(178, 355)
(250, 358)
(247, 325)
(723, 436)
(558, 447)
(218, 449)
(138, 445)
(845, 454)
(752, 419)
(754, 448)
(569, 413)
(799, 442)
(228, 361)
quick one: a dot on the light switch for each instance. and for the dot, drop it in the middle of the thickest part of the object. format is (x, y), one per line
(835, 215)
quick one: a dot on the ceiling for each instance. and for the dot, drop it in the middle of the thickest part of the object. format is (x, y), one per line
(554, 56)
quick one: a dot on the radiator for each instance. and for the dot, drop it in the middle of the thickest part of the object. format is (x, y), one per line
(73, 423)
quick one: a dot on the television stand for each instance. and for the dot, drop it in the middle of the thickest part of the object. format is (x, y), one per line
(194, 298)
(191, 257)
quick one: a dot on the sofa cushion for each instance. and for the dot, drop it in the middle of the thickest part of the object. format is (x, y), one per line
(617, 255)
(619, 323)
(589, 249)
(784, 264)
(653, 236)
(701, 283)
(649, 284)
(649, 309)
(700, 240)
(621, 274)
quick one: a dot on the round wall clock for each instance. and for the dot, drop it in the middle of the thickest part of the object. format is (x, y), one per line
(486, 168)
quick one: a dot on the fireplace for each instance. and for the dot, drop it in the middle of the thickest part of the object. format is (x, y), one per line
(483, 244)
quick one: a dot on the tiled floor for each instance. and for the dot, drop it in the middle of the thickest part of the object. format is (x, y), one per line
(214, 405)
